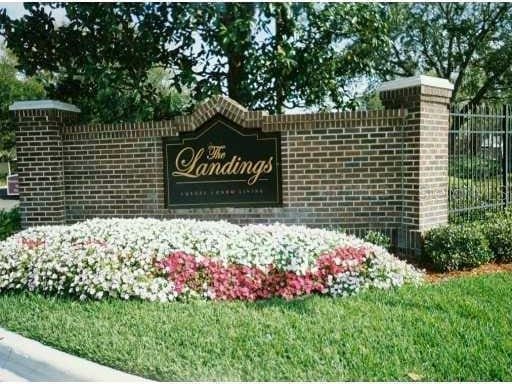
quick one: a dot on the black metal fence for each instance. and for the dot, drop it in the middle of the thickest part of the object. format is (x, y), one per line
(479, 161)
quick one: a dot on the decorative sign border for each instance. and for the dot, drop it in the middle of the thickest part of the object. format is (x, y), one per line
(188, 138)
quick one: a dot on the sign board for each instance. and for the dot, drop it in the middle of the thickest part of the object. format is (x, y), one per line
(222, 164)
(12, 185)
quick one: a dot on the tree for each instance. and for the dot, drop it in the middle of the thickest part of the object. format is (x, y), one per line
(468, 43)
(315, 54)
(225, 34)
(303, 55)
(13, 87)
(101, 56)
(266, 56)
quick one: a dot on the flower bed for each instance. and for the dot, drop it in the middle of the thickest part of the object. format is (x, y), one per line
(168, 259)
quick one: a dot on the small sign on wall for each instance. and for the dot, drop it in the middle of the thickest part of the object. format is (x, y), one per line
(12, 185)
(222, 164)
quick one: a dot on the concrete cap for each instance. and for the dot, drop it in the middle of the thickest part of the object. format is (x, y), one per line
(43, 104)
(414, 81)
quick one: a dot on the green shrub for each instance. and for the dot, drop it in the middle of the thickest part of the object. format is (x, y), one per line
(475, 167)
(378, 238)
(10, 222)
(498, 230)
(457, 247)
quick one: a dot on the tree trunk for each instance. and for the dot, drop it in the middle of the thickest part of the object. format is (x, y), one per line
(279, 86)
(237, 75)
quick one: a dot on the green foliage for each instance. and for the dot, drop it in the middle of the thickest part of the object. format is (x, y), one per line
(498, 229)
(265, 56)
(317, 55)
(475, 167)
(13, 87)
(3, 173)
(101, 57)
(10, 222)
(457, 247)
(378, 238)
(468, 193)
(464, 42)
(370, 101)
(454, 331)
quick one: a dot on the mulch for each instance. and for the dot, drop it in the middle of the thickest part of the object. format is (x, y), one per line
(436, 277)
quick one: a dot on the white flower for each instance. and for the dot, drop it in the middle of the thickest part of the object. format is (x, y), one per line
(115, 257)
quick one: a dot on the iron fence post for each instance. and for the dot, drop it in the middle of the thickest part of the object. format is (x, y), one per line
(505, 146)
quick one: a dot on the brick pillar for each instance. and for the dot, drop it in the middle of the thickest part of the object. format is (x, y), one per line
(39, 157)
(425, 152)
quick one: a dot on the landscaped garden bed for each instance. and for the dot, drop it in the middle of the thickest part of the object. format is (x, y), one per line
(457, 330)
(164, 260)
(437, 277)
(468, 245)
(62, 285)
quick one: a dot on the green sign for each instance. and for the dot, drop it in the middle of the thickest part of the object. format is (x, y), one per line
(222, 164)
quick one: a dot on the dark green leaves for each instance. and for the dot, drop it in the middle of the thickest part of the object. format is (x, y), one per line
(468, 43)
(265, 56)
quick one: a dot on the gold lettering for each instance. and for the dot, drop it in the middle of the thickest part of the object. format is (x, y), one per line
(215, 168)
(188, 164)
(186, 167)
(237, 164)
(257, 170)
(216, 152)
(202, 169)
(245, 167)
(268, 166)
(228, 167)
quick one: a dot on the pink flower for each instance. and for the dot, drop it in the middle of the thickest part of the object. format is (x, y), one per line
(240, 282)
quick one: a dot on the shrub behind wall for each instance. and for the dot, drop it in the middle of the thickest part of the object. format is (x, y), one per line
(10, 222)
(498, 231)
(457, 247)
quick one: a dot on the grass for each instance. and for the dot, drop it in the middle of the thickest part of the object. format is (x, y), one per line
(459, 330)
(3, 174)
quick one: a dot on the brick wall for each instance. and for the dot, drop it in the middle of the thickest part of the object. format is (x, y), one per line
(427, 131)
(426, 145)
(339, 169)
(40, 168)
(384, 170)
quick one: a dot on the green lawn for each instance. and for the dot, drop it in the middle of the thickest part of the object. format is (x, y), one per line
(458, 330)
(3, 174)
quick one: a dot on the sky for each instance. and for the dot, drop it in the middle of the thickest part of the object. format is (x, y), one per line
(16, 10)
(13, 9)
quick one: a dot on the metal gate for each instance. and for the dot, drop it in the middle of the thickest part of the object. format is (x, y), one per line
(479, 161)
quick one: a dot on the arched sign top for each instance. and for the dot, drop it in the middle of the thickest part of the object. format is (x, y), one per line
(229, 108)
(223, 164)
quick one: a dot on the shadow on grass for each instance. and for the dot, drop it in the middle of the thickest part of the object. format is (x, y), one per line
(300, 305)
(429, 298)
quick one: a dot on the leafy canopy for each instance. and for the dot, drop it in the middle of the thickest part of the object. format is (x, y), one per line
(468, 43)
(264, 55)
(13, 87)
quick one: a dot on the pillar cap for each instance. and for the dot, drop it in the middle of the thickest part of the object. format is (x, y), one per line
(43, 104)
(414, 81)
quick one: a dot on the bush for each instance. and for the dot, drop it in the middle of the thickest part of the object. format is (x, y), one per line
(10, 222)
(379, 239)
(478, 194)
(498, 230)
(168, 259)
(457, 247)
(475, 167)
